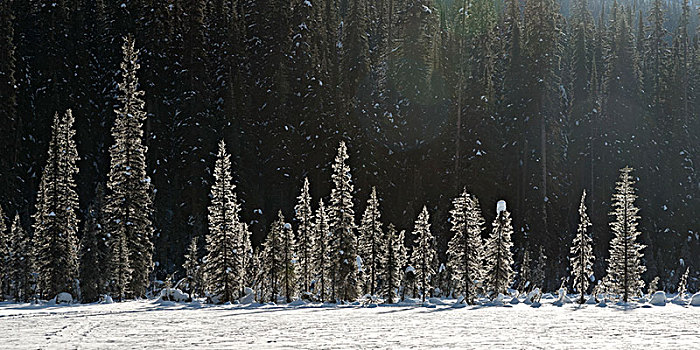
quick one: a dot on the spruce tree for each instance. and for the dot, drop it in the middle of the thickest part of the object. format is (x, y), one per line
(288, 258)
(683, 283)
(55, 220)
(393, 261)
(538, 274)
(498, 256)
(624, 264)
(4, 256)
(272, 259)
(22, 260)
(306, 237)
(224, 261)
(10, 139)
(344, 250)
(582, 253)
(129, 202)
(424, 257)
(94, 252)
(371, 241)
(465, 250)
(193, 269)
(322, 252)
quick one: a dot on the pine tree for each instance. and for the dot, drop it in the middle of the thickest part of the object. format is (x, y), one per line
(498, 256)
(465, 250)
(371, 241)
(193, 269)
(344, 250)
(322, 251)
(22, 260)
(55, 220)
(5, 259)
(683, 283)
(94, 252)
(393, 260)
(525, 271)
(306, 237)
(624, 264)
(424, 256)
(582, 252)
(9, 119)
(129, 208)
(288, 258)
(224, 261)
(538, 274)
(273, 259)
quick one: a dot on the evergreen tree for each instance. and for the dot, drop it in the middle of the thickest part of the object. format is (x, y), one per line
(322, 251)
(393, 261)
(94, 252)
(525, 271)
(582, 253)
(288, 258)
(498, 256)
(306, 237)
(465, 250)
(224, 261)
(22, 260)
(371, 236)
(55, 220)
(272, 259)
(538, 274)
(129, 201)
(193, 269)
(424, 256)
(342, 226)
(624, 264)
(5, 266)
(9, 119)
(683, 283)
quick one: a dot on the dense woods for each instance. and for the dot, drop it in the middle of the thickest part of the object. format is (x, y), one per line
(115, 144)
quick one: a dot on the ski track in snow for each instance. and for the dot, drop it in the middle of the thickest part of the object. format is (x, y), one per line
(143, 324)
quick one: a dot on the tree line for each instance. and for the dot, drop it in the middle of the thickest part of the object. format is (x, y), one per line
(524, 101)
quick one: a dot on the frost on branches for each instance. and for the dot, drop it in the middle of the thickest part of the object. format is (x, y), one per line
(498, 256)
(306, 237)
(371, 242)
(423, 258)
(582, 253)
(465, 250)
(624, 265)
(129, 202)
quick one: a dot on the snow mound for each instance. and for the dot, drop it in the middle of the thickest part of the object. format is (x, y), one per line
(498, 301)
(173, 294)
(591, 300)
(62, 298)
(515, 300)
(547, 296)
(658, 299)
(533, 296)
(106, 299)
(249, 297)
(297, 302)
(695, 299)
(563, 299)
(429, 305)
(678, 300)
(436, 301)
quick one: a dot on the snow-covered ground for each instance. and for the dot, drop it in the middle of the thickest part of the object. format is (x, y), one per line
(144, 324)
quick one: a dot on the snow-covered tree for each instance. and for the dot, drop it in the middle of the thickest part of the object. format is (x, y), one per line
(683, 283)
(22, 259)
(582, 253)
(289, 259)
(193, 269)
(624, 264)
(342, 226)
(56, 220)
(321, 252)
(653, 285)
(525, 271)
(306, 237)
(4, 256)
(224, 260)
(538, 274)
(498, 257)
(423, 257)
(465, 249)
(393, 260)
(371, 242)
(94, 252)
(129, 202)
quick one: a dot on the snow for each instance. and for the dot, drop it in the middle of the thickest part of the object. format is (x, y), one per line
(147, 324)
(500, 206)
(695, 300)
(658, 299)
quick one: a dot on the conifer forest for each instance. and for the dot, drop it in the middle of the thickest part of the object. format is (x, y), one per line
(349, 150)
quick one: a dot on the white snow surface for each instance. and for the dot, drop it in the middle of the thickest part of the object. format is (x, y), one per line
(149, 324)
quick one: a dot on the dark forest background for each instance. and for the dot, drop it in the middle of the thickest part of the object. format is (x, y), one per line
(531, 102)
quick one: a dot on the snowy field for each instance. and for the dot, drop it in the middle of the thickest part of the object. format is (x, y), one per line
(143, 324)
